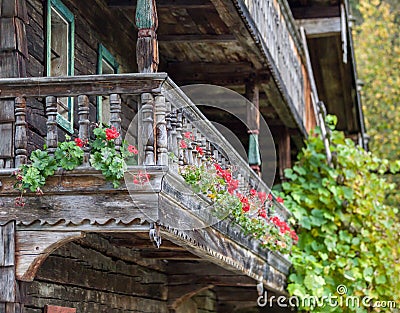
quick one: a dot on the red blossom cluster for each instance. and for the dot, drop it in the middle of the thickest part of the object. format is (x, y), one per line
(199, 150)
(141, 178)
(232, 184)
(80, 143)
(111, 133)
(284, 227)
(132, 149)
(189, 135)
(183, 144)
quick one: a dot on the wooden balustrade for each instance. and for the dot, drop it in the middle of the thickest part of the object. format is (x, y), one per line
(165, 116)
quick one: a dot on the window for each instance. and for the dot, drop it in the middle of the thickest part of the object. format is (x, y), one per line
(60, 54)
(106, 64)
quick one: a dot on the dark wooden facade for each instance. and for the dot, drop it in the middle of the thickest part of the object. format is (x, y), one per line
(86, 245)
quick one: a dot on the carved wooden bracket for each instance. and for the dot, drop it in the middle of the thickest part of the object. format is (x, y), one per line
(33, 247)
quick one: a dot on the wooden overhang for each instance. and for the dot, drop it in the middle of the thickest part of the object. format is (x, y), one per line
(329, 40)
(219, 42)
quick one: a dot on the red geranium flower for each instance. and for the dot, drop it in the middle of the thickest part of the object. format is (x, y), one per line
(79, 142)
(246, 207)
(262, 213)
(253, 192)
(200, 150)
(183, 144)
(270, 196)
(132, 149)
(111, 133)
(279, 199)
(262, 196)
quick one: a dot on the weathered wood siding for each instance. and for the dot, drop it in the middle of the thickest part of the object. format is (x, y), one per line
(95, 23)
(94, 276)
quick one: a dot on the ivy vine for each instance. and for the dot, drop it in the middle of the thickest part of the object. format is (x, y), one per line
(348, 236)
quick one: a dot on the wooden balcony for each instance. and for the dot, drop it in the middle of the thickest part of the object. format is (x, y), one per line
(81, 201)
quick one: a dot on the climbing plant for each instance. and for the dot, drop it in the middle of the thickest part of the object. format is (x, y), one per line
(348, 236)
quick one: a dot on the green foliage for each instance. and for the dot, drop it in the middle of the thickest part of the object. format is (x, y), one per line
(69, 154)
(347, 234)
(247, 210)
(32, 176)
(377, 49)
(106, 158)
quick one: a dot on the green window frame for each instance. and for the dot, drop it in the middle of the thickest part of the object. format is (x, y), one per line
(57, 10)
(105, 58)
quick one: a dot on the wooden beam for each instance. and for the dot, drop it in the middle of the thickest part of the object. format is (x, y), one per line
(320, 27)
(80, 85)
(316, 11)
(206, 38)
(164, 4)
(168, 255)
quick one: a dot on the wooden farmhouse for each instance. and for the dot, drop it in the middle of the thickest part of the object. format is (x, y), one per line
(88, 246)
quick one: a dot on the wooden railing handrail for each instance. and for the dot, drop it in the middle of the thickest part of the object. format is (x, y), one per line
(181, 101)
(73, 86)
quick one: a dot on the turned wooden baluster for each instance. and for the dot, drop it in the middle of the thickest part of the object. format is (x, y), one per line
(84, 123)
(52, 135)
(161, 130)
(208, 151)
(20, 140)
(189, 149)
(168, 116)
(203, 145)
(115, 117)
(194, 146)
(174, 143)
(146, 129)
(179, 121)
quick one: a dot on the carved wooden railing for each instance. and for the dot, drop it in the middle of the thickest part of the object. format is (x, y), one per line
(166, 113)
(272, 23)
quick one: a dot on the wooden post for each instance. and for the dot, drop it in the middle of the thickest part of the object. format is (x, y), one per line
(284, 151)
(161, 130)
(253, 124)
(51, 112)
(21, 141)
(10, 292)
(147, 45)
(115, 117)
(84, 123)
(13, 55)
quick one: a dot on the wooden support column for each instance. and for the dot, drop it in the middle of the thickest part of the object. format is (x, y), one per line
(52, 135)
(13, 55)
(11, 291)
(253, 124)
(84, 123)
(284, 151)
(20, 140)
(147, 45)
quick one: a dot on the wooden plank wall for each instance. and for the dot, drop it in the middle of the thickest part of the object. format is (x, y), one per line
(13, 53)
(94, 24)
(92, 275)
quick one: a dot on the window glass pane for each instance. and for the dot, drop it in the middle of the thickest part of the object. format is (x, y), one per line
(60, 54)
(107, 68)
(59, 44)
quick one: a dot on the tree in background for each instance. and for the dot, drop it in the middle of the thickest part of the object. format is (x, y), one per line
(377, 48)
